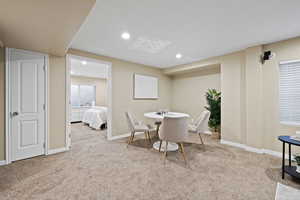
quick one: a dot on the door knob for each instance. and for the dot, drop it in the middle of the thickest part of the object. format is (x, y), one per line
(14, 114)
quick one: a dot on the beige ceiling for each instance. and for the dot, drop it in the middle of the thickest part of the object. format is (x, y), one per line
(42, 25)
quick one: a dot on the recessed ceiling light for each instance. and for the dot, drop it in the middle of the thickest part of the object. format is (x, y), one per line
(178, 56)
(83, 62)
(125, 36)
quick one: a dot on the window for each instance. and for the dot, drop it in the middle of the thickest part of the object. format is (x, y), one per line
(289, 92)
(83, 95)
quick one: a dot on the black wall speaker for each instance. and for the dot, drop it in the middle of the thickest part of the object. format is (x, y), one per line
(267, 55)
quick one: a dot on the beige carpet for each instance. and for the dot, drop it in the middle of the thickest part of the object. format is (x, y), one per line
(100, 169)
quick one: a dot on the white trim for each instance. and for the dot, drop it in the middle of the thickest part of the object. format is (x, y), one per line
(290, 123)
(288, 62)
(255, 150)
(124, 136)
(109, 98)
(109, 90)
(274, 153)
(8, 100)
(7, 106)
(68, 104)
(89, 59)
(3, 162)
(47, 117)
(238, 145)
(58, 150)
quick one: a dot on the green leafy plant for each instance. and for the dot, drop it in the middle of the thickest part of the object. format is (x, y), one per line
(213, 98)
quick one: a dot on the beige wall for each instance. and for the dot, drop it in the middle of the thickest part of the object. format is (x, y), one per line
(122, 91)
(250, 105)
(2, 102)
(101, 87)
(57, 104)
(232, 87)
(188, 90)
(285, 50)
(253, 98)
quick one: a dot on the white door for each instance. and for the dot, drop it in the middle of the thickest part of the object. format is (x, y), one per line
(27, 108)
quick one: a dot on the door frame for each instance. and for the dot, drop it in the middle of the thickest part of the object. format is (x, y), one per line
(68, 93)
(8, 138)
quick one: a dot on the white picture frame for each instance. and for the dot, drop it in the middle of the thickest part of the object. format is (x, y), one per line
(145, 87)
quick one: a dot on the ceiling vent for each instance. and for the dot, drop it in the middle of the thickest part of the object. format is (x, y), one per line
(152, 46)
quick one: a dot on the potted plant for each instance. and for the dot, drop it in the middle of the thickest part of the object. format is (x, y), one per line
(297, 158)
(213, 98)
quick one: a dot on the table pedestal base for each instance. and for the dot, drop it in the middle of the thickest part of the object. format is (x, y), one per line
(171, 146)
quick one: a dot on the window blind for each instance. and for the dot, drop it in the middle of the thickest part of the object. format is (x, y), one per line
(83, 95)
(289, 92)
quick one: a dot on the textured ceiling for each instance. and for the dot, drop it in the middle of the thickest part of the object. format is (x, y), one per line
(197, 29)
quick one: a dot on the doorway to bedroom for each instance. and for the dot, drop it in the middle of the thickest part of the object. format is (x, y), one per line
(89, 99)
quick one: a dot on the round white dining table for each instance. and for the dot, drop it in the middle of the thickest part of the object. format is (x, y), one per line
(159, 117)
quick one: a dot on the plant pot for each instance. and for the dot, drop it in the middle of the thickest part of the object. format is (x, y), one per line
(216, 135)
(298, 168)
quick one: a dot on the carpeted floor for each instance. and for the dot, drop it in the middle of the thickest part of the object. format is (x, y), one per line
(99, 169)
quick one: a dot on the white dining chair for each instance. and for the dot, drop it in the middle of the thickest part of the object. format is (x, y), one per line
(200, 125)
(137, 126)
(174, 129)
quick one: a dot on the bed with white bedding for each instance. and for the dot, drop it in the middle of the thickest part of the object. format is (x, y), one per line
(95, 117)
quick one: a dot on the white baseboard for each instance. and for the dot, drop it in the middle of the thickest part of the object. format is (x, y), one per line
(242, 146)
(50, 152)
(3, 162)
(277, 154)
(58, 150)
(255, 150)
